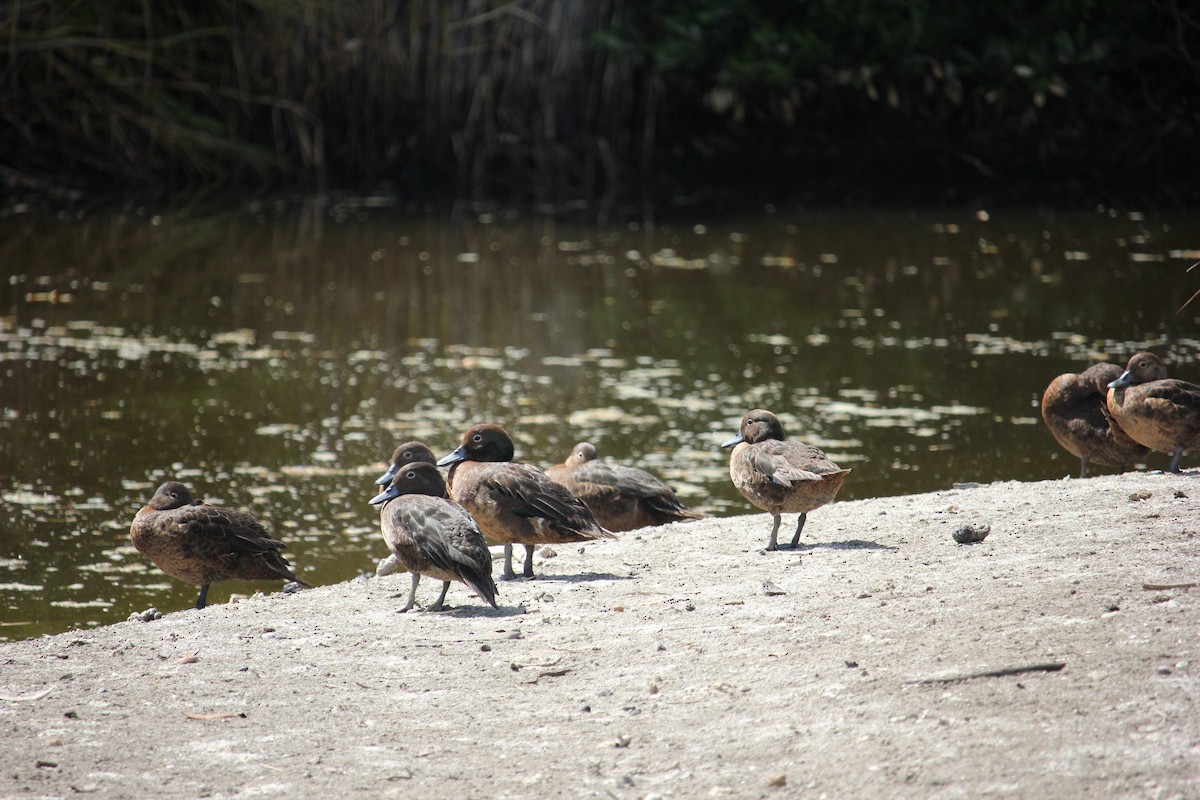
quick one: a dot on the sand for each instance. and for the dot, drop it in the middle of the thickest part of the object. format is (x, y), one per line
(677, 662)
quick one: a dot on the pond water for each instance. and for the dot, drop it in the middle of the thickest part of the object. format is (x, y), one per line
(272, 358)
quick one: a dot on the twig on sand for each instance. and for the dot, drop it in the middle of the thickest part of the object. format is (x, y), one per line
(1158, 587)
(1053, 666)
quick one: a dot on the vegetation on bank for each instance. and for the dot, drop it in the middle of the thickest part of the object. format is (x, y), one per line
(554, 100)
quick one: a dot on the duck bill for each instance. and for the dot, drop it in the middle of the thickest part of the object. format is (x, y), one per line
(1125, 380)
(735, 440)
(386, 478)
(460, 454)
(390, 493)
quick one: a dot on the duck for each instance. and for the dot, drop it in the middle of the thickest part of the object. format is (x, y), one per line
(621, 498)
(202, 544)
(405, 453)
(430, 535)
(1159, 412)
(778, 474)
(514, 502)
(1074, 409)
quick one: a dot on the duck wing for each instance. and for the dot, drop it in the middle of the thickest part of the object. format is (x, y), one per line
(221, 533)
(528, 492)
(444, 533)
(785, 463)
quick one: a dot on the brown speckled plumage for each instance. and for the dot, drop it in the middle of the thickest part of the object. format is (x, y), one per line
(1154, 410)
(202, 544)
(515, 502)
(780, 475)
(621, 498)
(430, 535)
(1073, 408)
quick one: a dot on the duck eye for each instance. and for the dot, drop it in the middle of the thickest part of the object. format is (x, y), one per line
(477, 438)
(411, 475)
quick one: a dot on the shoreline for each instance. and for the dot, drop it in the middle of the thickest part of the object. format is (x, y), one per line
(678, 661)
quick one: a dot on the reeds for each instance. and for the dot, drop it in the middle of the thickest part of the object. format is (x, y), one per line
(385, 95)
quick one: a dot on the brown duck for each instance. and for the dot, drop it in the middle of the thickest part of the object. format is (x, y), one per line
(1154, 410)
(515, 502)
(1073, 407)
(406, 453)
(432, 536)
(780, 475)
(202, 544)
(621, 498)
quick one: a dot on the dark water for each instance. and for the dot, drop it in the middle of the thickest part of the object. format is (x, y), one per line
(271, 359)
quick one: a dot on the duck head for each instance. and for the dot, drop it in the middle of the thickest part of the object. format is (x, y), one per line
(418, 477)
(1142, 368)
(406, 453)
(583, 453)
(758, 425)
(481, 443)
(170, 495)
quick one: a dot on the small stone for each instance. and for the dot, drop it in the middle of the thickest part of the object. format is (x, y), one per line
(622, 741)
(969, 534)
(1139, 496)
(486, 648)
(1164, 670)
(778, 780)
(771, 590)
(149, 615)
(547, 552)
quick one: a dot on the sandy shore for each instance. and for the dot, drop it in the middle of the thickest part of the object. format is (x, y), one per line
(676, 662)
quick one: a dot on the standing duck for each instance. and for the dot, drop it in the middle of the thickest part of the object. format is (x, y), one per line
(621, 498)
(202, 544)
(1073, 407)
(405, 453)
(432, 536)
(780, 475)
(1154, 410)
(515, 502)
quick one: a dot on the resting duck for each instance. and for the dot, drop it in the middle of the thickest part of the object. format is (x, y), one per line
(621, 498)
(202, 544)
(1073, 407)
(515, 502)
(432, 536)
(780, 475)
(1158, 412)
(406, 453)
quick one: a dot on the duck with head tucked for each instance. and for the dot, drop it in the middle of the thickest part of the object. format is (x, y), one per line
(515, 502)
(406, 453)
(1156, 411)
(780, 475)
(1073, 407)
(621, 498)
(202, 544)
(432, 536)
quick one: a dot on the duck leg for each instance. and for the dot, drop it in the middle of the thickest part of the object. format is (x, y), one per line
(1083, 462)
(774, 543)
(412, 593)
(441, 597)
(202, 600)
(1175, 460)
(799, 527)
(508, 574)
(528, 572)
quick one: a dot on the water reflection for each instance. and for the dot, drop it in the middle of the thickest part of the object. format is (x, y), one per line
(272, 359)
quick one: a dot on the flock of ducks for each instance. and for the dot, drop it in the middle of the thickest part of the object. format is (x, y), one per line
(1115, 418)
(438, 524)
